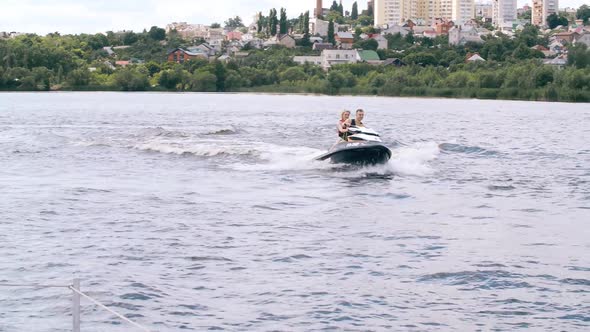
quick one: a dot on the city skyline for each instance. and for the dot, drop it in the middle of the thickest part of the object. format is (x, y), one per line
(82, 16)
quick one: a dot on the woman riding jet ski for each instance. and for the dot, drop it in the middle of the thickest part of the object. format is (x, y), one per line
(359, 145)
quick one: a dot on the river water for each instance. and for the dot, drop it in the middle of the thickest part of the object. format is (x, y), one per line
(206, 211)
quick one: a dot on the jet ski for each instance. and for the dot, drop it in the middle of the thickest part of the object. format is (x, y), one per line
(364, 147)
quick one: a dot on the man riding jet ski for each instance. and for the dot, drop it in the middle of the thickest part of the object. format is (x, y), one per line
(359, 145)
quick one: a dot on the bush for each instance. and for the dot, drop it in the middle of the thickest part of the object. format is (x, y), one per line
(203, 81)
(293, 74)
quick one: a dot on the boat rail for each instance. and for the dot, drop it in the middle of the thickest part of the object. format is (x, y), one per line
(76, 295)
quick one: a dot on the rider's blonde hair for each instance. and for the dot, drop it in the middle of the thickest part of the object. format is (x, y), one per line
(342, 114)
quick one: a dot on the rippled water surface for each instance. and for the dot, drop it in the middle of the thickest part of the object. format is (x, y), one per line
(203, 211)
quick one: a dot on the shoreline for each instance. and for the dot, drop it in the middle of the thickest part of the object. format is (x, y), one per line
(271, 93)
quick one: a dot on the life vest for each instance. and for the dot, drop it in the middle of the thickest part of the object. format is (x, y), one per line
(341, 135)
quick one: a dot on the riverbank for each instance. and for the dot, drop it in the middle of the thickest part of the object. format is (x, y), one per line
(549, 94)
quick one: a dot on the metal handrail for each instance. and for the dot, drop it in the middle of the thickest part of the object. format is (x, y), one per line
(75, 288)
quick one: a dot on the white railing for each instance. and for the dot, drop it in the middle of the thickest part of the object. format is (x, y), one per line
(76, 294)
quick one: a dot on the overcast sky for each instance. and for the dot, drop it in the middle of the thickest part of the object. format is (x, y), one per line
(85, 16)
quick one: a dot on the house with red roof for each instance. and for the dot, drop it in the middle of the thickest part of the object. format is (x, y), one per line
(180, 55)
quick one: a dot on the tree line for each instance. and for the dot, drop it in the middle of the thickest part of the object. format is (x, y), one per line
(432, 67)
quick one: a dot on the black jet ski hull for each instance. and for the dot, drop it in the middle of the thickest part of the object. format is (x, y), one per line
(358, 153)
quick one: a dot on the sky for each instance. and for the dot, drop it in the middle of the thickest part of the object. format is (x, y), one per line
(92, 16)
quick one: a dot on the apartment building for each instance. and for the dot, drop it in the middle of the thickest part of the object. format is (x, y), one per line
(504, 13)
(422, 12)
(463, 11)
(541, 9)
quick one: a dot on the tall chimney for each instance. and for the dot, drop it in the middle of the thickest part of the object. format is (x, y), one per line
(319, 8)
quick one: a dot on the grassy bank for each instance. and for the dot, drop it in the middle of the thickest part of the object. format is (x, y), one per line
(549, 94)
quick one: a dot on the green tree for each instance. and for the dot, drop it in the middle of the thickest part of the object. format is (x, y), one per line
(334, 6)
(543, 76)
(79, 77)
(42, 77)
(521, 52)
(283, 22)
(204, 81)
(98, 41)
(336, 80)
(410, 38)
(220, 73)
(293, 74)
(529, 36)
(215, 25)
(331, 38)
(450, 57)
(368, 44)
(259, 23)
(579, 56)
(489, 80)
(130, 38)
(421, 58)
(396, 42)
(132, 79)
(525, 15)
(336, 17)
(355, 11)
(234, 81)
(169, 79)
(152, 67)
(28, 83)
(255, 76)
(305, 40)
(273, 22)
(234, 23)
(583, 13)
(496, 49)
(555, 20)
(365, 20)
(156, 33)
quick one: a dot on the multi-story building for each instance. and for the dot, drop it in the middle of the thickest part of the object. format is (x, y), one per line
(504, 13)
(392, 12)
(443, 9)
(422, 12)
(463, 11)
(484, 10)
(388, 12)
(541, 9)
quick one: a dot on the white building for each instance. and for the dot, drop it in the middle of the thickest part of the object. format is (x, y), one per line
(394, 29)
(422, 12)
(381, 42)
(339, 57)
(504, 13)
(484, 10)
(464, 10)
(314, 60)
(329, 58)
(193, 31)
(459, 35)
(388, 12)
(443, 9)
(320, 27)
(541, 9)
